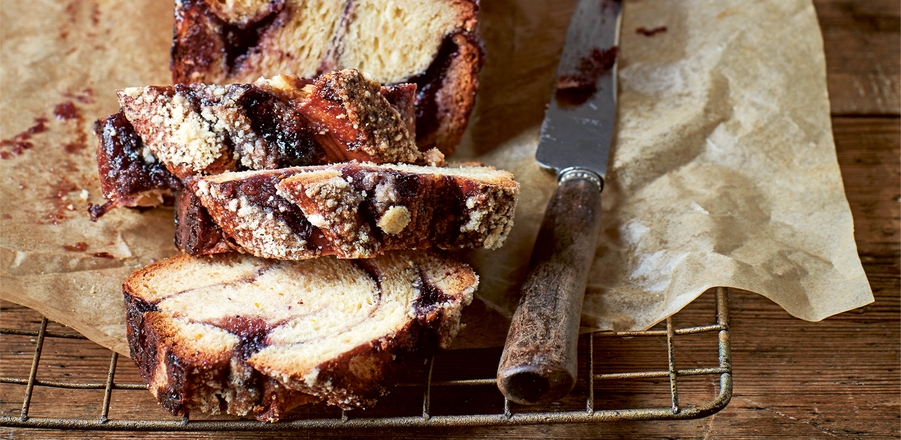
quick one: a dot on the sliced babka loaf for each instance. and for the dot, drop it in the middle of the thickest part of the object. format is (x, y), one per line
(241, 335)
(355, 210)
(432, 43)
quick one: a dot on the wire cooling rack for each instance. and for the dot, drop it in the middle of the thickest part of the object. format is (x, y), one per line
(448, 396)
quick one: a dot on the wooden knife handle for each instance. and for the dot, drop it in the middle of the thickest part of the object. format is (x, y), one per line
(540, 360)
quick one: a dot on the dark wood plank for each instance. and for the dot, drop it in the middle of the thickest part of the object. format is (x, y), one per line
(863, 55)
(868, 151)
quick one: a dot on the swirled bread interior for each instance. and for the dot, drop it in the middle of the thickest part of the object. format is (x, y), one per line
(242, 335)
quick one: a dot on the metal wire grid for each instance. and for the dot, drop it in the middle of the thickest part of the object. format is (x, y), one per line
(508, 417)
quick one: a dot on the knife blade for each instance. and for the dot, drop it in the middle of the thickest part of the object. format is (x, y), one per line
(539, 361)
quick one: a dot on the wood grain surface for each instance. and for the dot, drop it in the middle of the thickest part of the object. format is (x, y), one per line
(839, 378)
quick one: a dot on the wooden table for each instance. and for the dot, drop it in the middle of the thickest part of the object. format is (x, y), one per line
(839, 378)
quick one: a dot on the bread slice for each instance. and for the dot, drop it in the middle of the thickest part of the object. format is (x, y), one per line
(241, 335)
(355, 210)
(272, 123)
(281, 122)
(433, 43)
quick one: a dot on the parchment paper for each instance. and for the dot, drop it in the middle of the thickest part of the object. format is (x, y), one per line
(724, 172)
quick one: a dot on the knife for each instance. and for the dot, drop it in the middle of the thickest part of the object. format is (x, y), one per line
(539, 361)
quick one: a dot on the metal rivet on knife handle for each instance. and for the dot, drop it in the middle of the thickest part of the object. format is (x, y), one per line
(539, 362)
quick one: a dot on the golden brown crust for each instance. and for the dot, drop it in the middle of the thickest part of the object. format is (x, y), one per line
(403, 98)
(197, 49)
(272, 123)
(364, 210)
(250, 213)
(183, 136)
(457, 96)
(193, 361)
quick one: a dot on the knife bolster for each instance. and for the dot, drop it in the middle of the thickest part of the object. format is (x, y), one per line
(573, 173)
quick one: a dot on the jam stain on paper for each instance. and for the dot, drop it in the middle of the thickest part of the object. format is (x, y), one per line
(77, 247)
(85, 97)
(74, 147)
(60, 165)
(650, 32)
(65, 111)
(60, 202)
(79, 15)
(19, 143)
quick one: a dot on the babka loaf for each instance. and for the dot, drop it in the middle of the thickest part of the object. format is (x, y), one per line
(432, 43)
(355, 210)
(284, 121)
(241, 335)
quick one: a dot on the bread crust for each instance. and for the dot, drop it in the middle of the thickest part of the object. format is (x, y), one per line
(446, 92)
(352, 119)
(192, 363)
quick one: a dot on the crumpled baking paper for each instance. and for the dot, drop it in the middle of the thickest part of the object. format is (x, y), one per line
(723, 174)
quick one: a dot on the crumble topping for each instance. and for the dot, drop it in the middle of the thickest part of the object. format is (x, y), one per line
(171, 129)
(395, 219)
